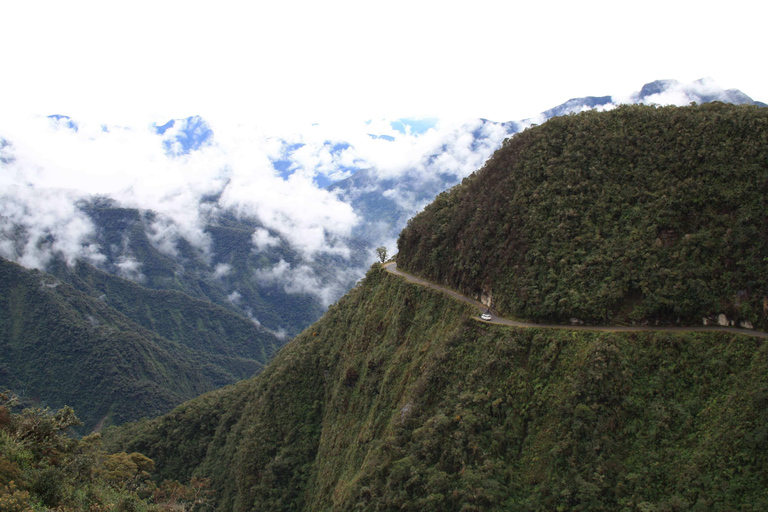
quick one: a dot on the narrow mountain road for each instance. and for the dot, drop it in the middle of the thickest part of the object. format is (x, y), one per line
(391, 267)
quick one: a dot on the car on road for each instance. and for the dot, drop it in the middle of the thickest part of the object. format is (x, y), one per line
(486, 315)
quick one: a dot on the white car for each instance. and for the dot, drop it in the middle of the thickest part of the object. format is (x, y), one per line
(485, 316)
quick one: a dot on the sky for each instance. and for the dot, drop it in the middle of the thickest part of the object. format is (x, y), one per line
(274, 100)
(334, 61)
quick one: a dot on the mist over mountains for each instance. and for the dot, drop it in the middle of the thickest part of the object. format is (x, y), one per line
(253, 215)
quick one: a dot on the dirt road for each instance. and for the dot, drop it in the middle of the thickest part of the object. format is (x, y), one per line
(391, 267)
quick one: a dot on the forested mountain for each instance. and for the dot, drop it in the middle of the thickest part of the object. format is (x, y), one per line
(640, 214)
(202, 285)
(117, 351)
(386, 200)
(397, 399)
(135, 247)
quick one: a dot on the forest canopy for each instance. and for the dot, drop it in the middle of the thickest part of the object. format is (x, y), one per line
(639, 214)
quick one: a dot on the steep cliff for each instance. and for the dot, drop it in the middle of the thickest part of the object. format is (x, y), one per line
(398, 400)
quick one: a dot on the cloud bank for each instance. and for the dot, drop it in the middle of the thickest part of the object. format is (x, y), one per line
(190, 171)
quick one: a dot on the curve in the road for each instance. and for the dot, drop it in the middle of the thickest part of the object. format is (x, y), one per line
(391, 267)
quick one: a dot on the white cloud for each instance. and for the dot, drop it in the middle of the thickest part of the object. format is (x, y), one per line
(221, 270)
(130, 164)
(263, 240)
(303, 279)
(129, 268)
(310, 219)
(40, 224)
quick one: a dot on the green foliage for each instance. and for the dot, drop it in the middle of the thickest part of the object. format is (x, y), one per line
(397, 400)
(41, 468)
(637, 214)
(198, 324)
(381, 252)
(61, 345)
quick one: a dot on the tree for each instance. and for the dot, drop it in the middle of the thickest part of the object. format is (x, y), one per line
(382, 253)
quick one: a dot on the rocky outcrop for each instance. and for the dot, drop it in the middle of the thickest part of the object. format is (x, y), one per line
(723, 321)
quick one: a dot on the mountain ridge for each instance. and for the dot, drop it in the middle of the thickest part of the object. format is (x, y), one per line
(398, 399)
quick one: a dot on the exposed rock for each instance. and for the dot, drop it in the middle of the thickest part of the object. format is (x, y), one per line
(486, 297)
(746, 324)
(722, 320)
(576, 321)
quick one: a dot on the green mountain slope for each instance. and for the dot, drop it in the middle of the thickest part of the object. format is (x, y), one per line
(195, 323)
(126, 234)
(127, 354)
(397, 400)
(640, 214)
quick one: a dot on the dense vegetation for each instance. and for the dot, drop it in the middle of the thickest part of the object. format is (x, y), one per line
(128, 353)
(633, 215)
(195, 323)
(397, 400)
(41, 468)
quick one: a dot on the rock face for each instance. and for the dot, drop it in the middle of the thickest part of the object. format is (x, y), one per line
(723, 321)
(486, 297)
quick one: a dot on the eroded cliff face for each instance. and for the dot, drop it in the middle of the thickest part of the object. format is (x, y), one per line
(398, 400)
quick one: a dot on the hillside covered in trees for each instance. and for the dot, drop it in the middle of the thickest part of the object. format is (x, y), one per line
(398, 400)
(42, 468)
(641, 214)
(114, 350)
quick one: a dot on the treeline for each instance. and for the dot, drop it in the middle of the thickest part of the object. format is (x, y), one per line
(640, 214)
(42, 468)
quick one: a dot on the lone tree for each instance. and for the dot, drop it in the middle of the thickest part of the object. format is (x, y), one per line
(382, 253)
